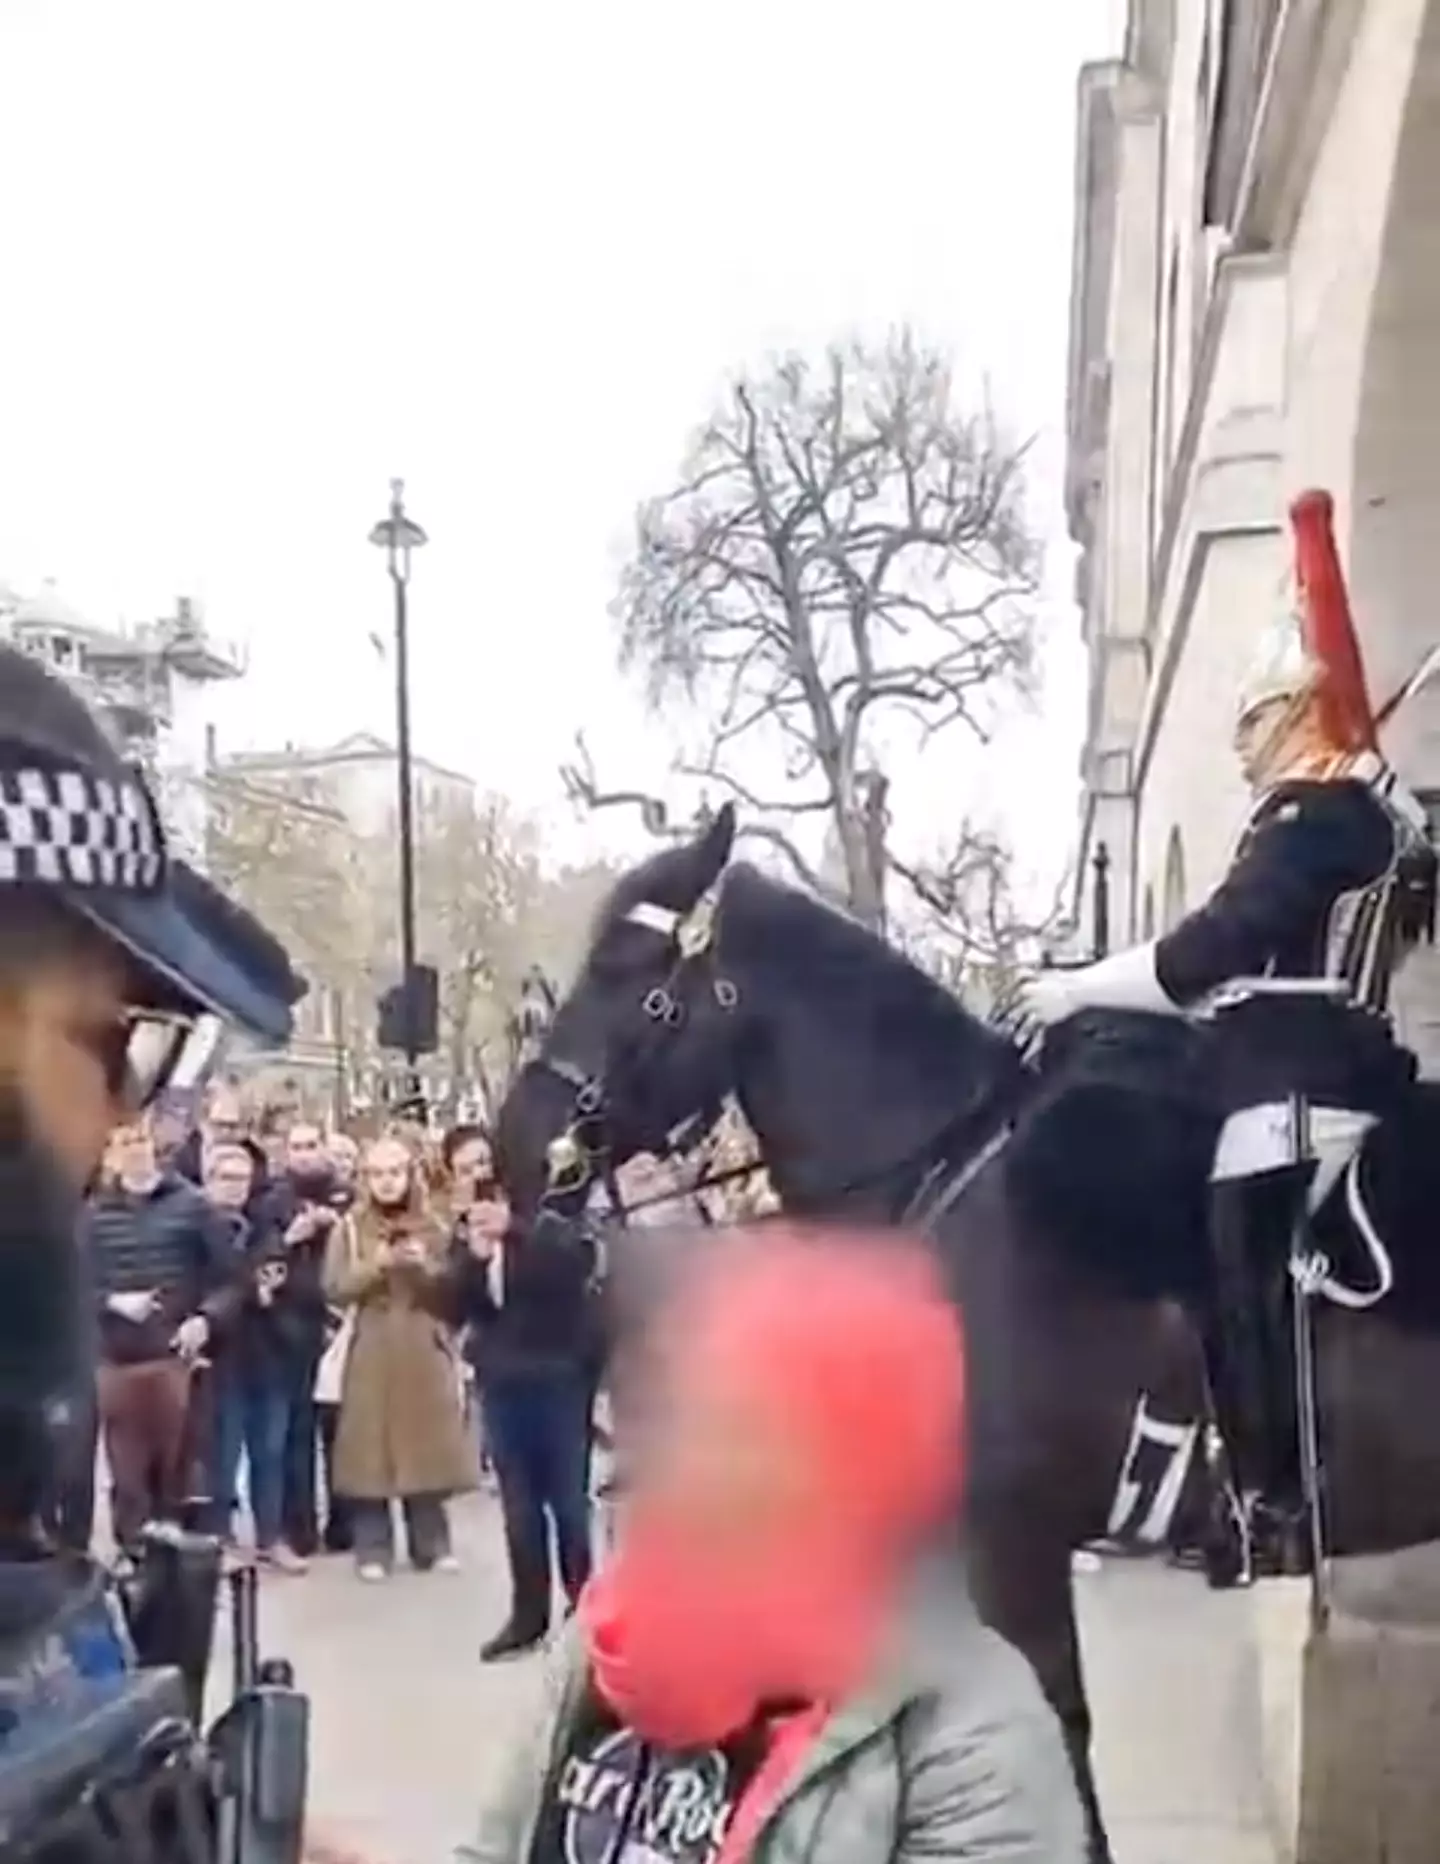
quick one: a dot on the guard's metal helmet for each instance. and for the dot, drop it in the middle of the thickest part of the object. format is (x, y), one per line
(1310, 655)
(79, 826)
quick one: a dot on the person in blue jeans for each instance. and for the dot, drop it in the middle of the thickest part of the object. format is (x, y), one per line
(526, 1294)
(254, 1397)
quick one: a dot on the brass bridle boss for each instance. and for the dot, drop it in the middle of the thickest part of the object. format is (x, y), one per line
(570, 1162)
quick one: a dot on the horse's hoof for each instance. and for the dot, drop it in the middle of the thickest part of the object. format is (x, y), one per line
(1224, 1568)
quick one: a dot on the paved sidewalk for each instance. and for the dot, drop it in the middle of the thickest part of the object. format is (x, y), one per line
(408, 1726)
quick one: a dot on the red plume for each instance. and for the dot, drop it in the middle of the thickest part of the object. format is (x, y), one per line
(1345, 712)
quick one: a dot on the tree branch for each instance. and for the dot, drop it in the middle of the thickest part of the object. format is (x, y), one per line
(582, 789)
(709, 773)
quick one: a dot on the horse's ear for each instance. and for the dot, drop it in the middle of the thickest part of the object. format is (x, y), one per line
(707, 854)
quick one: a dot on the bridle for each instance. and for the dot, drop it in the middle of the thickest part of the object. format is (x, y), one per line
(574, 1158)
(578, 1156)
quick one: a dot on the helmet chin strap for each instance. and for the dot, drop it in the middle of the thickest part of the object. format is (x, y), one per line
(1288, 752)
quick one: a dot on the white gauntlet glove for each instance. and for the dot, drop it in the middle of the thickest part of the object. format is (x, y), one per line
(1124, 981)
(1048, 998)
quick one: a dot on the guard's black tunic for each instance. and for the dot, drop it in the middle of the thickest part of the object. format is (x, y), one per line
(1307, 847)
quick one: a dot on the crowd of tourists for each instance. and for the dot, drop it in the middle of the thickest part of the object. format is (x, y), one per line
(310, 1343)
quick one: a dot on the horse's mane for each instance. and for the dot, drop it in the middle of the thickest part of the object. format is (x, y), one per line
(842, 955)
(871, 983)
(795, 945)
(839, 946)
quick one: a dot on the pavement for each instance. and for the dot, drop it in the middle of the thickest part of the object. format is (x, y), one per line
(408, 1728)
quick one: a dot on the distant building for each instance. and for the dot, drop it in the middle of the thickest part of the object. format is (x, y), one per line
(149, 684)
(357, 776)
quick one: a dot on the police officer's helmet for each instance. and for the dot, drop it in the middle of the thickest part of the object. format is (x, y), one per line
(79, 829)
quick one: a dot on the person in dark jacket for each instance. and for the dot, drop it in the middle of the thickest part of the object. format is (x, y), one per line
(301, 1208)
(223, 1125)
(162, 1274)
(253, 1361)
(526, 1294)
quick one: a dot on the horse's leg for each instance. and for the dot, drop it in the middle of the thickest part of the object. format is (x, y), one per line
(1021, 1582)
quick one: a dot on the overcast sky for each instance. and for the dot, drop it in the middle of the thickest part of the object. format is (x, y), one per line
(258, 259)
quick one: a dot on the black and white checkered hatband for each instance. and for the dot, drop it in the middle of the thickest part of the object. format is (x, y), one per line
(65, 828)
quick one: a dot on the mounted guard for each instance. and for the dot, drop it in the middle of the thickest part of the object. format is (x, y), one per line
(1291, 961)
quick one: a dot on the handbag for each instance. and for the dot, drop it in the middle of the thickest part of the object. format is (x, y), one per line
(330, 1373)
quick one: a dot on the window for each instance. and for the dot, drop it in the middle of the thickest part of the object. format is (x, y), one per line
(1173, 899)
(1240, 36)
(1172, 359)
(1162, 391)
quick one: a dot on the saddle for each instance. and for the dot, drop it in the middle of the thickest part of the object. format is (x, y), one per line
(1111, 1154)
(1112, 1151)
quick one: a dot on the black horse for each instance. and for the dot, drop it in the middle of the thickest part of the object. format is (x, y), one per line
(1072, 1225)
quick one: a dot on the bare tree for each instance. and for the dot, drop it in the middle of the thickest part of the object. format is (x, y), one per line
(288, 852)
(976, 934)
(846, 548)
(486, 908)
(478, 876)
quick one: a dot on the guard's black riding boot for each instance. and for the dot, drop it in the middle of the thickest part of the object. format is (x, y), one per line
(528, 1625)
(1252, 1364)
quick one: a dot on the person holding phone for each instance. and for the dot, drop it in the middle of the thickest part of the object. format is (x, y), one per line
(300, 1209)
(399, 1435)
(527, 1294)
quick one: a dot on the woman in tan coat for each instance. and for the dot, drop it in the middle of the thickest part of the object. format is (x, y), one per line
(400, 1434)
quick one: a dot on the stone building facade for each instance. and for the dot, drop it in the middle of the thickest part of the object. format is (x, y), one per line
(1255, 309)
(151, 686)
(359, 776)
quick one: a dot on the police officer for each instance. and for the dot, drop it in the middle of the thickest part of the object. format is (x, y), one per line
(1331, 884)
(119, 968)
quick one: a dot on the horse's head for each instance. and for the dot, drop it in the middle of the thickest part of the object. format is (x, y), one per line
(641, 1053)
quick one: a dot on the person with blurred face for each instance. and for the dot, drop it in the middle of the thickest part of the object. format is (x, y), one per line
(224, 1118)
(400, 1435)
(526, 1294)
(468, 1168)
(164, 1272)
(344, 1156)
(299, 1212)
(251, 1376)
(229, 1176)
(780, 1659)
(467, 1157)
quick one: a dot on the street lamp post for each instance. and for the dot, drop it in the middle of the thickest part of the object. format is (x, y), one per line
(397, 535)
